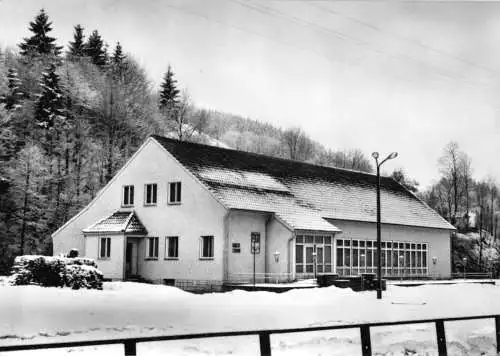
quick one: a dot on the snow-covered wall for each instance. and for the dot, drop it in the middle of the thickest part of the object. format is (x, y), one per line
(438, 240)
(198, 214)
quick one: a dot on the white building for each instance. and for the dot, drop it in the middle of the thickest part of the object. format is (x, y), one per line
(181, 213)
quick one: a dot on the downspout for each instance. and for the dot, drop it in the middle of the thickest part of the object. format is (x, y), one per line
(225, 250)
(266, 255)
(291, 260)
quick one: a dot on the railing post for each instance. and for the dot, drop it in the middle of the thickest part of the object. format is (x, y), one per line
(130, 348)
(441, 338)
(265, 344)
(497, 332)
(366, 344)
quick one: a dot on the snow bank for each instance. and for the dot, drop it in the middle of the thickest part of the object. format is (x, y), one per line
(123, 309)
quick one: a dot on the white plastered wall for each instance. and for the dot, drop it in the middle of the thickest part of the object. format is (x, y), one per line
(199, 214)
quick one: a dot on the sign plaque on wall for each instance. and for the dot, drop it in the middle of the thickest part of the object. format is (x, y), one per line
(255, 243)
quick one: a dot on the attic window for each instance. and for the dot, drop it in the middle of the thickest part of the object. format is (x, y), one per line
(150, 196)
(174, 193)
(128, 195)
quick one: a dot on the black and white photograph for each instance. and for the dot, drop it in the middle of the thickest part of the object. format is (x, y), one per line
(249, 177)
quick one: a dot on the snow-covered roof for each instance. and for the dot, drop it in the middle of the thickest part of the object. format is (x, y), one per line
(303, 195)
(119, 222)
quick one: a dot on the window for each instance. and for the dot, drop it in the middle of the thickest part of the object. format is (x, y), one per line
(207, 247)
(174, 193)
(150, 194)
(172, 247)
(105, 247)
(152, 248)
(236, 247)
(128, 195)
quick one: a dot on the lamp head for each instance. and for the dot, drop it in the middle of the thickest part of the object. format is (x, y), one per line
(375, 155)
(392, 155)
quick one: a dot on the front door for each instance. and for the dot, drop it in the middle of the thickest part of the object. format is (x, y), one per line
(313, 254)
(128, 259)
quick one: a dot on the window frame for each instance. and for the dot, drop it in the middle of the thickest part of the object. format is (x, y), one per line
(155, 195)
(129, 195)
(202, 249)
(177, 192)
(156, 247)
(167, 248)
(107, 248)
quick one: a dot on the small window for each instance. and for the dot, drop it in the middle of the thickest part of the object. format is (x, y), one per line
(207, 247)
(172, 247)
(236, 247)
(150, 194)
(174, 193)
(105, 247)
(128, 195)
(152, 248)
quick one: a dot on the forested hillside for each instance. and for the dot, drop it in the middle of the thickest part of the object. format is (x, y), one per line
(72, 114)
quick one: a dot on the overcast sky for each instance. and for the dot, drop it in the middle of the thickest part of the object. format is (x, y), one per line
(386, 76)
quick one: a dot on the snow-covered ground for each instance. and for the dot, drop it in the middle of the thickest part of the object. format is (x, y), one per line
(35, 314)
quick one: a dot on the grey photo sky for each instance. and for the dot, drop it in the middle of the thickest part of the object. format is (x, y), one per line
(376, 75)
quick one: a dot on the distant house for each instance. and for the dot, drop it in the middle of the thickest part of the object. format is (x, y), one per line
(466, 220)
(181, 212)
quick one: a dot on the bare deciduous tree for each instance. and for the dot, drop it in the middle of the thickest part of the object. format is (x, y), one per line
(449, 164)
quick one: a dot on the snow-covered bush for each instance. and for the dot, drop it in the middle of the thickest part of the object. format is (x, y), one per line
(83, 276)
(56, 272)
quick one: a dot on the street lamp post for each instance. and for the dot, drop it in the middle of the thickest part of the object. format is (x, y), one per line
(375, 155)
(401, 264)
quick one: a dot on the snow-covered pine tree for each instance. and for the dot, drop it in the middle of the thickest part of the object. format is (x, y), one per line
(49, 109)
(94, 48)
(77, 46)
(169, 94)
(118, 56)
(12, 98)
(40, 43)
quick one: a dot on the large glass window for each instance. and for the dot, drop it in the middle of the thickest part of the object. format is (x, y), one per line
(355, 256)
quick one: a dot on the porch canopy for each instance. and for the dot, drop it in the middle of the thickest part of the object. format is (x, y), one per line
(120, 222)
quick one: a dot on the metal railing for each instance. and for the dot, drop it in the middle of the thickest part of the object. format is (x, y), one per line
(130, 344)
(472, 275)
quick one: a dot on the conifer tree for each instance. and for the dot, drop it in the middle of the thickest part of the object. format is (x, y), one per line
(94, 48)
(40, 43)
(12, 98)
(118, 56)
(169, 93)
(77, 46)
(49, 110)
